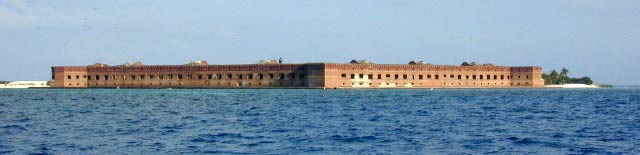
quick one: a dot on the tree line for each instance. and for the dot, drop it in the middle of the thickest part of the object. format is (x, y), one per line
(563, 78)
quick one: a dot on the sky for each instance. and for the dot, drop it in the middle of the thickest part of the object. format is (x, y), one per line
(596, 38)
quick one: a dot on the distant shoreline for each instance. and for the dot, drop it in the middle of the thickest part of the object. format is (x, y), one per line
(575, 86)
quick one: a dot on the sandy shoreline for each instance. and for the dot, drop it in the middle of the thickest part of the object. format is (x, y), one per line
(571, 86)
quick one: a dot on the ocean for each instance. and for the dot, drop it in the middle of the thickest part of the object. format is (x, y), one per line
(314, 121)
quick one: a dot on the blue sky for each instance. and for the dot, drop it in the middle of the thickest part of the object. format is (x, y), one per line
(597, 38)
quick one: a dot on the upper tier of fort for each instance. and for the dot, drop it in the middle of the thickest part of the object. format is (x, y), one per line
(274, 74)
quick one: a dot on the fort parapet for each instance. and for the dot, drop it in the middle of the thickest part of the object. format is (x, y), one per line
(307, 75)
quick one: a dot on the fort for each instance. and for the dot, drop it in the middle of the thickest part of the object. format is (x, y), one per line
(271, 74)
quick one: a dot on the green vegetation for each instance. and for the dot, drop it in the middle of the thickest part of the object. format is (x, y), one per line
(563, 78)
(4, 82)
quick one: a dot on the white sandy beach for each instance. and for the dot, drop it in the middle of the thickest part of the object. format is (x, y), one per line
(24, 84)
(572, 86)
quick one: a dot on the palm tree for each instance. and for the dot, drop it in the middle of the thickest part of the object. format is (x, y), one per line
(564, 76)
(553, 77)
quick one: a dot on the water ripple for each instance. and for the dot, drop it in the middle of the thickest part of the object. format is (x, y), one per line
(273, 121)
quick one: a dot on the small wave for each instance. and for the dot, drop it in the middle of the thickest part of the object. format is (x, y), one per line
(126, 131)
(158, 145)
(189, 117)
(257, 143)
(423, 113)
(375, 119)
(285, 130)
(170, 131)
(531, 141)
(358, 139)
(14, 128)
(591, 150)
(26, 119)
(219, 152)
(210, 138)
(313, 149)
(558, 135)
(173, 112)
(85, 111)
(174, 126)
(523, 141)
(41, 150)
(612, 139)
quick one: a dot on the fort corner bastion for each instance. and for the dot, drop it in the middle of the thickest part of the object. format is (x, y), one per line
(304, 75)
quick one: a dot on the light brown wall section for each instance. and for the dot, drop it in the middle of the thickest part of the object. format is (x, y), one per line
(69, 76)
(428, 76)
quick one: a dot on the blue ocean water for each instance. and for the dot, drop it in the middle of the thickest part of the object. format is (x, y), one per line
(301, 121)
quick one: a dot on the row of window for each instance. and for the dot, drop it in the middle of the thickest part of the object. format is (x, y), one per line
(436, 76)
(281, 76)
(444, 84)
(209, 84)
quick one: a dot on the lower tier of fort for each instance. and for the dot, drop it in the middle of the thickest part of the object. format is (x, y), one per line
(307, 75)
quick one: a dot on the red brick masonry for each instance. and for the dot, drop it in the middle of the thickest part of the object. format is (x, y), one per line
(308, 75)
